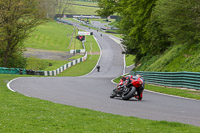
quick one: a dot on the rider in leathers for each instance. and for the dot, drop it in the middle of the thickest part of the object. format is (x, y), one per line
(139, 87)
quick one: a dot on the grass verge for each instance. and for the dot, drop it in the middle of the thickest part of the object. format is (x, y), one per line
(176, 59)
(194, 94)
(19, 113)
(84, 10)
(86, 66)
(51, 36)
(129, 60)
(81, 68)
(44, 64)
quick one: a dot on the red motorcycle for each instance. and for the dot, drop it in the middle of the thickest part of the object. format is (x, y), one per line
(126, 88)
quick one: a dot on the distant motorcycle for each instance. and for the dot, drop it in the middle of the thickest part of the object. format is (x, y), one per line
(125, 89)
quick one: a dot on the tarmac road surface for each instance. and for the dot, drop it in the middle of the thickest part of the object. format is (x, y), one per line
(92, 91)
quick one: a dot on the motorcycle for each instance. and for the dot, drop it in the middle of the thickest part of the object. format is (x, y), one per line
(126, 89)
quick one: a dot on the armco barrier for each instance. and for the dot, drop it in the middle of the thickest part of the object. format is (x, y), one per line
(68, 65)
(4, 70)
(172, 79)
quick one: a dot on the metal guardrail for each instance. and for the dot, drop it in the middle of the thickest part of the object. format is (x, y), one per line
(4, 70)
(172, 79)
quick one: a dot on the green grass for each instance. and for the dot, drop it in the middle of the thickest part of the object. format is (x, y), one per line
(44, 64)
(174, 91)
(89, 27)
(83, 10)
(113, 23)
(71, 19)
(100, 20)
(77, 44)
(86, 3)
(91, 44)
(19, 114)
(86, 66)
(171, 91)
(129, 60)
(176, 58)
(117, 35)
(50, 36)
(81, 68)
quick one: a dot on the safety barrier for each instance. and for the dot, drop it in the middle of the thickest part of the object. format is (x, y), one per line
(172, 79)
(4, 70)
(63, 21)
(66, 66)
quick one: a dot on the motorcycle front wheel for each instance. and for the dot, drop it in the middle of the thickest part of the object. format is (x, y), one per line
(129, 93)
(113, 94)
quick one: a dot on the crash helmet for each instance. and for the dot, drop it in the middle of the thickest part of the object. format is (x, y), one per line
(124, 78)
(139, 76)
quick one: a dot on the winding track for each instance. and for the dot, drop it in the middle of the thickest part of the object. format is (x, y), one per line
(92, 91)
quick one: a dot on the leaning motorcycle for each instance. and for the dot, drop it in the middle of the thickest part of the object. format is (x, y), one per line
(125, 90)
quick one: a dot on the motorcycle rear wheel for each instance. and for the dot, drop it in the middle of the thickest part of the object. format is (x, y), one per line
(129, 94)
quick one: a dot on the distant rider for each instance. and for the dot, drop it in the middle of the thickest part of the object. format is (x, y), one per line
(98, 68)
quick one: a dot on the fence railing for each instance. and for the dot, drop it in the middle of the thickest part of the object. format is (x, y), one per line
(172, 79)
(66, 66)
(4, 70)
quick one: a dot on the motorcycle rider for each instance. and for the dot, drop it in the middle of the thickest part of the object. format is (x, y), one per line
(140, 84)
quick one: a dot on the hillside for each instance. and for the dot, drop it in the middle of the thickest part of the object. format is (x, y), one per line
(83, 7)
(176, 58)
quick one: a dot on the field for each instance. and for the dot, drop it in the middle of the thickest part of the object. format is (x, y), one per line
(83, 10)
(187, 58)
(51, 36)
(86, 3)
(86, 66)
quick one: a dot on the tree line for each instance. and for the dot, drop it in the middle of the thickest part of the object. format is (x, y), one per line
(18, 18)
(152, 26)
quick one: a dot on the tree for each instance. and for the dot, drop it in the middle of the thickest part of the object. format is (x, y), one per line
(180, 19)
(17, 20)
(62, 6)
(49, 6)
(107, 7)
(54, 7)
(135, 15)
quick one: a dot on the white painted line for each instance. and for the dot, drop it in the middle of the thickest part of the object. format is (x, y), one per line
(124, 65)
(98, 59)
(130, 65)
(8, 84)
(171, 95)
(162, 93)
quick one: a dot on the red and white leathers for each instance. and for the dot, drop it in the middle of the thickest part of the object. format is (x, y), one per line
(138, 83)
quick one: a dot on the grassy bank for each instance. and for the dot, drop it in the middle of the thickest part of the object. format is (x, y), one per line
(83, 10)
(129, 60)
(86, 66)
(51, 36)
(44, 64)
(176, 58)
(19, 113)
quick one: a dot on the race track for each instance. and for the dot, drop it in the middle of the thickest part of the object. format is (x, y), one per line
(92, 91)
